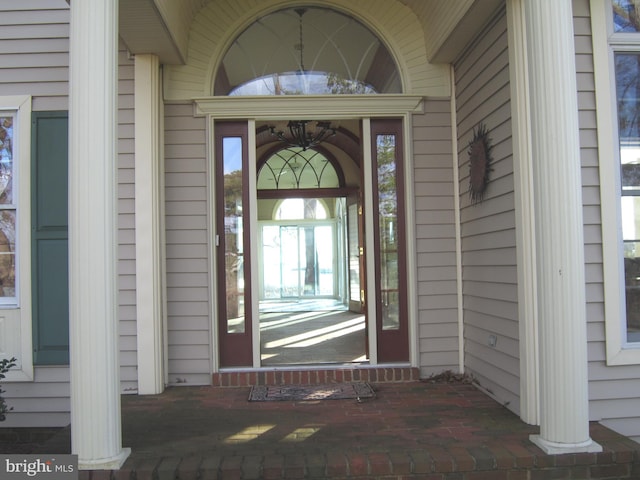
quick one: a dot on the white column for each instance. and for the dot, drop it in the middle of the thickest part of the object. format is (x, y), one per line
(149, 226)
(95, 385)
(564, 409)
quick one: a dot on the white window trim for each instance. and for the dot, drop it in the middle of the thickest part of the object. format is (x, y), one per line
(15, 320)
(618, 351)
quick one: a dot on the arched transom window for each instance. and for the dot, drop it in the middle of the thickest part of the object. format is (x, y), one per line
(307, 51)
(295, 168)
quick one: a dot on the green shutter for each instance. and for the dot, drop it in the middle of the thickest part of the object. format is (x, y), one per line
(49, 237)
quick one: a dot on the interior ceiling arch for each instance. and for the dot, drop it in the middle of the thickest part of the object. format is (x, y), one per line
(219, 22)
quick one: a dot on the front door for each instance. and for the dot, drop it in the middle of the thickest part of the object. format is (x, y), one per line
(300, 251)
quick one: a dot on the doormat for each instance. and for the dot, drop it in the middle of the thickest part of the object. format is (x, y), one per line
(301, 393)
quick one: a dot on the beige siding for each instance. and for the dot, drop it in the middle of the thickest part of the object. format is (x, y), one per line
(126, 224)
(41, 403)
(187, 247)
(34, 59)
(435, 239)
(489, 274)
(614, 391)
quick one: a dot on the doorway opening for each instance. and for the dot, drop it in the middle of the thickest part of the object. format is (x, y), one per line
(305, 280)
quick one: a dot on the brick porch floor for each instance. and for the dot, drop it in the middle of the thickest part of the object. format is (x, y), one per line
(411, 429)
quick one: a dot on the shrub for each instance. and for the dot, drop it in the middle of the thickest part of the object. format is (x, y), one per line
(5, 365)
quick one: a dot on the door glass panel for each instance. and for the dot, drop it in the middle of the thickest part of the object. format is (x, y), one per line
(290, 262)
(233, 231)
(324, 255)
(354, 254)
(298, 261)
(388, 222)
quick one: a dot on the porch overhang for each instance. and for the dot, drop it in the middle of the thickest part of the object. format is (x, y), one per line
(146, 28)
(450, 26)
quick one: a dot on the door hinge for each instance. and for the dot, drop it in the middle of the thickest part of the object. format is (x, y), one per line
(362, 297)
(217, 240)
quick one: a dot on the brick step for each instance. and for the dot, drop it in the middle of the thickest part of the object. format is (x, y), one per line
(315, 376)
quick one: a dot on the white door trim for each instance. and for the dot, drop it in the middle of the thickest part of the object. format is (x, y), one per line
(362, 107)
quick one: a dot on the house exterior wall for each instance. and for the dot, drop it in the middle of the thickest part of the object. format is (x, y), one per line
(435, 239)
(126, 224)
(489, 267)
(187, 235)
(614, 391)
(34, 60)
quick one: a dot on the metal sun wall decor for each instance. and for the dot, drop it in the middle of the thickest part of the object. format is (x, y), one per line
(479, 163)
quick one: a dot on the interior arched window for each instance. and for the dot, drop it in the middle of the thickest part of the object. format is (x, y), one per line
(294, 168)
(307, 51)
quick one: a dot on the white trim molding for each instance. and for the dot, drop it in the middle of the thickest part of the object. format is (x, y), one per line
(617, 350)
(323, 106)
(149, 212)
(15, 320)
(525, 214)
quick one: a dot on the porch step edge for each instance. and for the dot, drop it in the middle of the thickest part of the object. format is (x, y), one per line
(283, 376)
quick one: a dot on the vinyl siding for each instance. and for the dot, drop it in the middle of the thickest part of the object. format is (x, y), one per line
(435, 239)
(614, 391)
(489, 270)
(126, 224)
(34, 45)
(187, 233)
(34, 60)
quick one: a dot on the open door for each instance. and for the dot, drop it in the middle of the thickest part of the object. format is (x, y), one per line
(232, 243)
(355, 251)
(356, 261)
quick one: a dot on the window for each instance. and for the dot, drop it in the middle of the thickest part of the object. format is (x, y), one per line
(616, 41)
(627, 74)
(293, 168)
(15, 235)
(8, 208)
(307, 51)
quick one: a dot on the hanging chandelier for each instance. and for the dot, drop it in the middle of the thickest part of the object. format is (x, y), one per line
(300, 137)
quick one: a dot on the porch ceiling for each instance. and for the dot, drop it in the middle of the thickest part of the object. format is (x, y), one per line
(162, 27)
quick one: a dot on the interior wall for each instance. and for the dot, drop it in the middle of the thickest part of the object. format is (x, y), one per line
(489, 266)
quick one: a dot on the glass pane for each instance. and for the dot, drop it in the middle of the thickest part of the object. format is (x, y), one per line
(233, 231)
(6, 160)
(354, 254)
(324, 257)
(307, 51)
(388, 221)
(631, 238)
(293, 168)
(271, 275)
(625, 15)
(290, 262)
(7, 253)
(628, 104)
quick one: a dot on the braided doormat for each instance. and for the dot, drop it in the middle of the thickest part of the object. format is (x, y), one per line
(298, 393)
